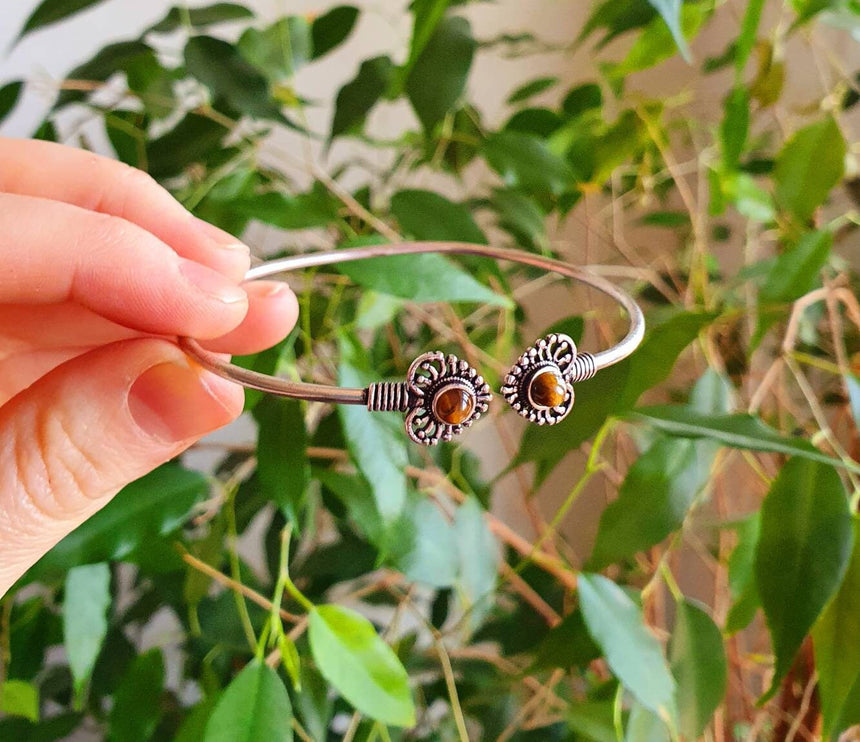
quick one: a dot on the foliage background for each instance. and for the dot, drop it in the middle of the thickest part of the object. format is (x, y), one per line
(722, 193)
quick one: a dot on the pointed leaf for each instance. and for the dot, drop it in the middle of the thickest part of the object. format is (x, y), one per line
(747, 38)
(254, 707)
(378, 447)
(433, 556)
(438, 77)
(633, 653)
(837, 653)
(108, 61)
(279, 50)
(652, 502)
(531, 88)
(190, 141)
(426, 277)
(53, 11)
(742, 575)
(735, 431)
(360, 665)
(525, 161)
(219, 66)
(796, 271)
(803, 551)
(358, 96)
(331, 29)
(810, 164)
(670, 12)
(9, 95)
(137, 706)
(698, 662)
(282, 464)
(208, 15)
(478, 558)
(87, 599)
(426, 215)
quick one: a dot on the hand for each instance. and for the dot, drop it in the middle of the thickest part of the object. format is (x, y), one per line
(99, 269)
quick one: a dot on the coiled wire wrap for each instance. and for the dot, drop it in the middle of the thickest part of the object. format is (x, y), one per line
(388, 396)
(584, 367)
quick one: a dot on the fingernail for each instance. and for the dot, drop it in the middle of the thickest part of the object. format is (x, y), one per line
(212, 283)
(222, 239)
(270, 289)
(172, 402)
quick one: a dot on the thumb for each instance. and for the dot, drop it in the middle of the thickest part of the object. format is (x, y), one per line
(72, 440)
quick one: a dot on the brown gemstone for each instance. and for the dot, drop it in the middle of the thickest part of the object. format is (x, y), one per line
(547, 388)
(454, 405)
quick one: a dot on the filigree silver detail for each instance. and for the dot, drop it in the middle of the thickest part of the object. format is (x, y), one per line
(556, 351)
(429, 375)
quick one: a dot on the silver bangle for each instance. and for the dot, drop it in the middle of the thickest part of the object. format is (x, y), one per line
(443, 395)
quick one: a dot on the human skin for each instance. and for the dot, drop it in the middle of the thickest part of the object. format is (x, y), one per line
(100, 270)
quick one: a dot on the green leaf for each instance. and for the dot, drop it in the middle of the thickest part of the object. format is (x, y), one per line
(567, 645)
(532, 88)
(282, 464)
(108, 61)
(541, 122)
(593, 720)
(658, 42)
(426, 14)
(254, 707)
(478, 557)
(279, 50)
(617, 17)
(633, 653)
(747, 38)
(331, 29)
(153, 506)
(377, 444)
(614, 391)
(85, 606)
(582, 98)
(742, 575)
(645, 726)
(735, 431)
(735, 126)
(426, 277)
(190, 141)
(652, 501)
(229, 77)
(426, 215)
(670, 12)
(525, 161)
(53, 11)
(9, 95)
(810, 164)
(661, 485)
(796, 271)
(360, 665)
(19, 698)
(358, 96)
(698, 662)
(309, 210)
(208, 15)
(803, 551)
(433, 556)
(837, 655)
(519, 214)
(137, 706)
(438, 77)
(852, 383)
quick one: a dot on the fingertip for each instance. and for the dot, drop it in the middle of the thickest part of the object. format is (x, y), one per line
(272, 313)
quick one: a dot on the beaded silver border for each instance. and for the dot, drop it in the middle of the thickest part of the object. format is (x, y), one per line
(555, 351)
(428, 375)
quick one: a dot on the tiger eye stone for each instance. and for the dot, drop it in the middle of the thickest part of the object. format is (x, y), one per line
(547, 389)
(454, 405)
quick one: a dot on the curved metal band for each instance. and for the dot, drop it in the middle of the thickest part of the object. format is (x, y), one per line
(344, 395)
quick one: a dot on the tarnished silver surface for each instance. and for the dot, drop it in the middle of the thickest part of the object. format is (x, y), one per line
(391, 397)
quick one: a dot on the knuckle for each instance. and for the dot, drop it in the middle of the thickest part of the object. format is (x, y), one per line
(52, 471)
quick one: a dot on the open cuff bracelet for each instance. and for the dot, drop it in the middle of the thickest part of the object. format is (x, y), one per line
(442, 395)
